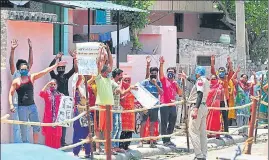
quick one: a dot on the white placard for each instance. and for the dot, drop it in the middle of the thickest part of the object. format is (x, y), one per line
(144, 97)
(65, 110)
(86, 55)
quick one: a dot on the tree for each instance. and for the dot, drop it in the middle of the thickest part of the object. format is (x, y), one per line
(256, 14)
(135, 20)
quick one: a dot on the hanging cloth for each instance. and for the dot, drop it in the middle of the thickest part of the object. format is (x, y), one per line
(124, 37)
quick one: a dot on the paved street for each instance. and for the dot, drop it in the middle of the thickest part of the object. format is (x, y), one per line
(216, 147)
(259, 152)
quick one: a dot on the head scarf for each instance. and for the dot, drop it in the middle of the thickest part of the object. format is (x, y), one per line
(200, 70)
(124, 85)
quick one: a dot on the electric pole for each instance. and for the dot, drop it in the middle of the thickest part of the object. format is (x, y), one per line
(241, 58)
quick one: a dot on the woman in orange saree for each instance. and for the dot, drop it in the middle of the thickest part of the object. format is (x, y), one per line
(213, 122)
(128, 119)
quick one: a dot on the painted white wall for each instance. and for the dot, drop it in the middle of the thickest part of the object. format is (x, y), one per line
(163, 36)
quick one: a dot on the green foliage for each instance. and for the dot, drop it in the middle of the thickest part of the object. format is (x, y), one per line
(256, 14)
(135, 20)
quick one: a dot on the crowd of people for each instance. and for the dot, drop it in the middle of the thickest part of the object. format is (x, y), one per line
(113, 88)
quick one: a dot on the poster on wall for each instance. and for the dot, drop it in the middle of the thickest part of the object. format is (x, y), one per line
(65, 110)
(140, 95)
(86, 55)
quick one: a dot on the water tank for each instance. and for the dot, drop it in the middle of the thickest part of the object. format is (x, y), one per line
(225, 39)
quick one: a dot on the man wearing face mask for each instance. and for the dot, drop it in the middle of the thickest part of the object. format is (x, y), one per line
(224, 97)
(168, 113)
(154, 87)
(62, 81)
(198, 114)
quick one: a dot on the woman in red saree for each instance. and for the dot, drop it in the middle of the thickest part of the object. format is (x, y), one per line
(128, 119)
(52, 101)
(213, 122)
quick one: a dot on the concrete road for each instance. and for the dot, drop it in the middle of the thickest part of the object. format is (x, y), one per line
(259, 152)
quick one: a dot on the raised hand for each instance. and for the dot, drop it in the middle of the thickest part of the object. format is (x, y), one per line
(72, 53)
(29, 43)
(107, 46)
(61, 63)
(59, 55)
(148, 59)
(134, 88)
(229, 59)
(213, 59)
(14, 44)
(182, 75)
(161, 60)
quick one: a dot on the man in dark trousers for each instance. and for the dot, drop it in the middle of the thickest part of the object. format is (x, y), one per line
(62, 81)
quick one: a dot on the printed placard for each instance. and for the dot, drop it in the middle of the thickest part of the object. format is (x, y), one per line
(140, 95)
(86, 56)
(65, 110)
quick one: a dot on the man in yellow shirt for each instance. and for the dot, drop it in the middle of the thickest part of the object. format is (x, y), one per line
(104, 95)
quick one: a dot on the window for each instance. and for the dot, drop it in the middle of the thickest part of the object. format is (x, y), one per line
(58, 30)
(212, 21)
(203, 60)
(179, 21)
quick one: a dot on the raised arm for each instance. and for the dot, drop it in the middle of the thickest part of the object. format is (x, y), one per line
(99, 61)
(72, 71)
(235, 75)
(230, 65)
(46, 86)
(30, 59)
(129, 89)
(161, 74)
(148, 59)
(75, 61)
(14, 45)
(110, 59)
(38, 75)
(52, 73)
(11, 93)
(213, 71)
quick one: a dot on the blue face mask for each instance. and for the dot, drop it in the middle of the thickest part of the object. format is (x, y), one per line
(221, 74)
(24, 72)
(109, 75)
(170, 75)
